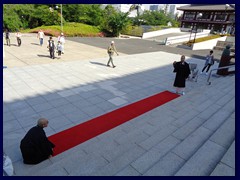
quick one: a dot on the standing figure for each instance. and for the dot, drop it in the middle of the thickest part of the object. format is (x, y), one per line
(111, 49)
(59, 48)
(7, 37)
(40, 35)
(209, 62)
(61, 38)
(18, 36)
(182, 71)
(51, 47)
(35, 146)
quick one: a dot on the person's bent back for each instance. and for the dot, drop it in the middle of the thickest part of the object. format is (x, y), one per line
(35, 146)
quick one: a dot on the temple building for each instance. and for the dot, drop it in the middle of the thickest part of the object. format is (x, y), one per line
(219, 18)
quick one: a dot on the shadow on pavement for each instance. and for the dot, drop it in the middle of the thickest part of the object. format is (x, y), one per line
(97, 63)
(40, 55)
(35, 44)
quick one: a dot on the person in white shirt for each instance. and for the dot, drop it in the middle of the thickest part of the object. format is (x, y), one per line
(61, 38)
(40, 36)
(18, 36)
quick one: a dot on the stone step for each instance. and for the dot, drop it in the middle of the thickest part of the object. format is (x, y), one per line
(177, 157)
(226, 167)
(209, 155)
(158, 142)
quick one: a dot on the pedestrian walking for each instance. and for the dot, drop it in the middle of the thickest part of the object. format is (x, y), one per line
(182, 71)
(7, 37)
(18, 36)
(111, 49)
(35, 146)
(61, 38)
(40, 35)
(209, 62)
(51, 47)
(59, 48)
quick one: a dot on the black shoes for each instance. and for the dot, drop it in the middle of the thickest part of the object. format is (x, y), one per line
(109, 66)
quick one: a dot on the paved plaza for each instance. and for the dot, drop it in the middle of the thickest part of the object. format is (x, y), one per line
(193, 135)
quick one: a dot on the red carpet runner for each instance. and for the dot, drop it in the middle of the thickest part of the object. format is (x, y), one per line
(80, 133)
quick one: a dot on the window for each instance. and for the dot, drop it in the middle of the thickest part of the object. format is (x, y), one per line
(220, 17)
(206, 15)
(189, 15)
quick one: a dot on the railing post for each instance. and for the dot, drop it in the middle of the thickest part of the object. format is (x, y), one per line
(209, 76)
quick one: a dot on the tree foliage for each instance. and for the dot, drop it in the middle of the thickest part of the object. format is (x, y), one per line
(156, 18)
(24, 16)
(114, 21)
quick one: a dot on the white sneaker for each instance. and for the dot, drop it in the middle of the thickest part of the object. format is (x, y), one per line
(183, 93)
(206, 73)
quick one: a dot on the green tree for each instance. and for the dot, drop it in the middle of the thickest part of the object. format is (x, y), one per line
(157, 18)
(91, 14)
(114, 22)
(118, 22)
(17, 16)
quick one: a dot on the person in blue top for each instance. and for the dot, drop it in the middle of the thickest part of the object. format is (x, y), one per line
(209, 62)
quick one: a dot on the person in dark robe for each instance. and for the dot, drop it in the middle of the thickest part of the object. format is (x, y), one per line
(225, 61)
(182, 71)
(35, 146)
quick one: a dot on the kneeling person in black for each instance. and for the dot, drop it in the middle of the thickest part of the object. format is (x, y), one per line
(35, 146)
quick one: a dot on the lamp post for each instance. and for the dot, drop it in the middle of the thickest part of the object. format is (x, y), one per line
(226, 16)
(199, 15)
(52, 9)
(226, 7)
(190, 33)
(61, 17)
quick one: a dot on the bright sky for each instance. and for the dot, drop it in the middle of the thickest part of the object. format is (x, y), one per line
(147, 5)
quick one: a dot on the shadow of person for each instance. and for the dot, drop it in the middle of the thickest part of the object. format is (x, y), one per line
(35, 44)
(40, 55)
(97, 63)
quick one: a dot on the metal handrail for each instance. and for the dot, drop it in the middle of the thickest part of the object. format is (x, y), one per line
(224, 67)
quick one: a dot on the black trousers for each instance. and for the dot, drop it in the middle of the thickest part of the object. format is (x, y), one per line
(19, 41)
(51, 53)
(207, 66)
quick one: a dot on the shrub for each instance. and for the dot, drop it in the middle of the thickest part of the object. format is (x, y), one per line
(70, 29)
(189, 43)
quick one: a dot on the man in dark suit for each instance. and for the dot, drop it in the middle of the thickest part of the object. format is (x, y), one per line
(51, 47)
(35, 146)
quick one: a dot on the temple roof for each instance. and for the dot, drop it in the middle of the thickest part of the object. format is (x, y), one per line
(207, 7)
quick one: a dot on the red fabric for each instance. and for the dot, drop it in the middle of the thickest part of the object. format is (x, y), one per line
(78, 134)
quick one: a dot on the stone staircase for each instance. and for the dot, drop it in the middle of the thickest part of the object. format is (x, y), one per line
(221, 45)
(193, 135)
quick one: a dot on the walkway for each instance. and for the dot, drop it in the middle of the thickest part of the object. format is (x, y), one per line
(192, 135)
